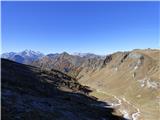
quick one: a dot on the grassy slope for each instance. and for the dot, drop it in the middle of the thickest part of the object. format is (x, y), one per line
(121, 82)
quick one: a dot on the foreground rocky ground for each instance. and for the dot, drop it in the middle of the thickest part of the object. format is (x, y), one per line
(31, 93)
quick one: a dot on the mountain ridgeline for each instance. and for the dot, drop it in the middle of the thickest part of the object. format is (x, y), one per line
(128, 81)
(25, 57)
(64, 62)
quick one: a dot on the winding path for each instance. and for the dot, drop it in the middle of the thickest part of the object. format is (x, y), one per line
(134, 116)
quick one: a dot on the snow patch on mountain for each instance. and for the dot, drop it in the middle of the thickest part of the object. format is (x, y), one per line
(25, 56)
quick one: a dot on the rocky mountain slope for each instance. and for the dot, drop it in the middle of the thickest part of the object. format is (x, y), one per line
(134, 79)
(33, 93)
(70, 64)
(131, 78)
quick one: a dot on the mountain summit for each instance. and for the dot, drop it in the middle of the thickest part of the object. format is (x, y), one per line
(26, 56)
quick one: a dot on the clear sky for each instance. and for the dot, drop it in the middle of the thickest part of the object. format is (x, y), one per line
(96, 27)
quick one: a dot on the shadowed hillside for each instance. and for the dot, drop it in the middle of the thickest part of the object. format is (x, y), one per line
(32, 93)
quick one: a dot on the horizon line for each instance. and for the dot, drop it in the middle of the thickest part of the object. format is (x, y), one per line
(72, 53)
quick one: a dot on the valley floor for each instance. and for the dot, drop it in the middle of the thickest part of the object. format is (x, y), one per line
(122, 106)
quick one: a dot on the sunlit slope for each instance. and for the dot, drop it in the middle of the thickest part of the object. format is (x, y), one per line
(134, 76)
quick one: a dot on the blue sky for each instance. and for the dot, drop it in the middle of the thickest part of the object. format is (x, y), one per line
(96, 27)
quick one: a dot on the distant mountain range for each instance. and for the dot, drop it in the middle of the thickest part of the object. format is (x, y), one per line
(88, 55)
(71, 64)
(26, 56)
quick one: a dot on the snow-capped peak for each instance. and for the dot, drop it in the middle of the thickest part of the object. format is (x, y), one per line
(30, 53)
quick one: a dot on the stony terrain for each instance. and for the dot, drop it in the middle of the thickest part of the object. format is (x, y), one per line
(134, 78)
(131, 76)
(128, 81)
(70, 64)
(32, 93)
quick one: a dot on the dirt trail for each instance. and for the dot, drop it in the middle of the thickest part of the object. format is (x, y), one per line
(120, 102)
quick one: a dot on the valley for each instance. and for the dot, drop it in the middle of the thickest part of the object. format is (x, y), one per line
(121, 105)
(129, 82)
(32, 93)
(80, 60)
